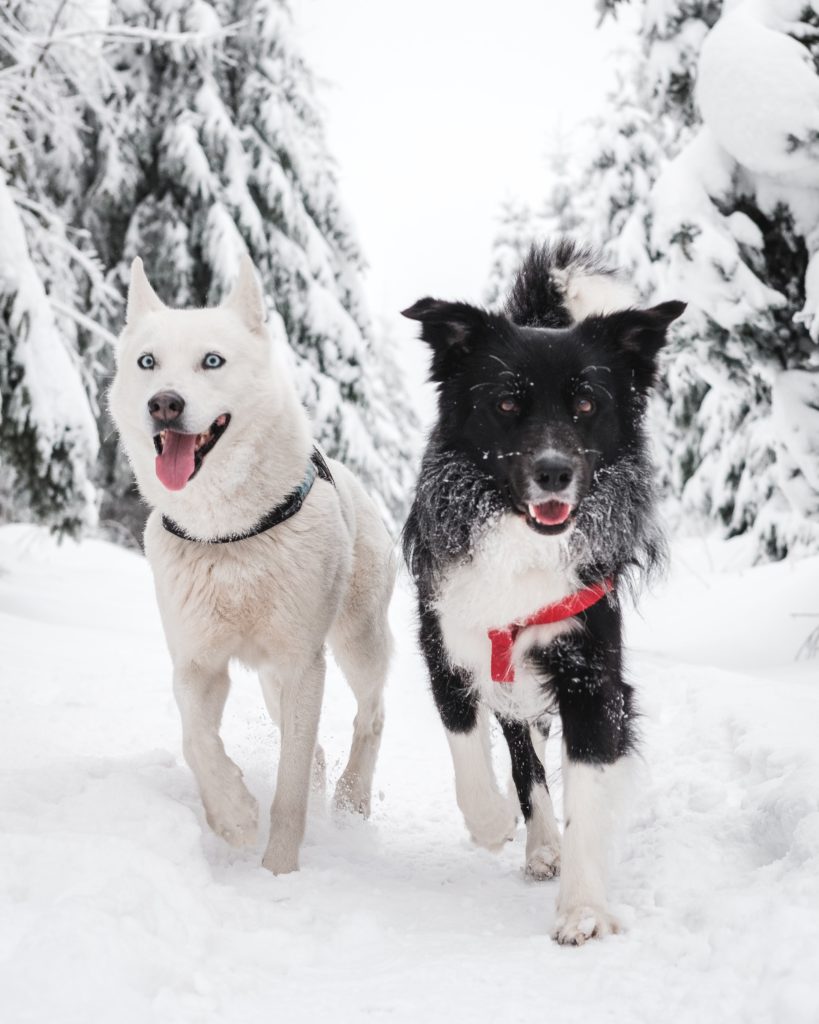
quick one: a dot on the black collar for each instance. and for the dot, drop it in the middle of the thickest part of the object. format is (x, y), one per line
(316, 467)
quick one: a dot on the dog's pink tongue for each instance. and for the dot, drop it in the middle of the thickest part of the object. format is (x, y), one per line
(175, 465)
(551, 513)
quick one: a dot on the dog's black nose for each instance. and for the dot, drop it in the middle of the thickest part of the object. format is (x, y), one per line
(553, 474)
(166, 406)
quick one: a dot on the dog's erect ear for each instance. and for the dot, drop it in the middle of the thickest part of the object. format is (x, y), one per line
(640, 334)
(246, 298)
(142, 298)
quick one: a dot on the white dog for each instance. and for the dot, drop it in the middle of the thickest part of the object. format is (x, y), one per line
(259, 551)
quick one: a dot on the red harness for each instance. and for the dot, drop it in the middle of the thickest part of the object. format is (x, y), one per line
(503, 640)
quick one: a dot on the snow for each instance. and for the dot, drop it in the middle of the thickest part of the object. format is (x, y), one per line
(708, 271)
(768, 122)
(49, 401)
(117, 903)
(795, 411)
(810, 313)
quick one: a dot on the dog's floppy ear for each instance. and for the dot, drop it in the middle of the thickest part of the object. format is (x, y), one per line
(246, 297)
(639, 334)
(142, 298)
(447, 323)
(449, 328)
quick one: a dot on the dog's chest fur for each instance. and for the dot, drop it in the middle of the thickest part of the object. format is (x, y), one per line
(250, 599)
(512, 573)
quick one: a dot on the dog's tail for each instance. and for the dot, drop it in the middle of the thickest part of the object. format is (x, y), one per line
(562, 282)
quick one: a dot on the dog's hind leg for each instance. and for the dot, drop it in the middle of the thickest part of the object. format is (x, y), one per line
(272, 692)
(542, 834)
(300, 710)
(540, 734)
(361, 642)
(363, 653)
(230, 809)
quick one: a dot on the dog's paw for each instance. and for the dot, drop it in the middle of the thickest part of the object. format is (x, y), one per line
(236, 817)
(352, 795)
(281, 856)
(578, 924)
(543, 863)
(493, 829)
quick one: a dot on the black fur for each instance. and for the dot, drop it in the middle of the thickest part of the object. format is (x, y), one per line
(535, 300)
(527, 768)
(481, 462)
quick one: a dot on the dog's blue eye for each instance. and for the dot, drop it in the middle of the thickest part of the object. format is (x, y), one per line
(146, 361)
(212, 361)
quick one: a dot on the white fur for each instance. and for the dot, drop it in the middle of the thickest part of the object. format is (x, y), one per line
(142, 298)
(542, 837)
(270, 600)
(513, 573)
(592, 294)
(591, 798)
(489, 816)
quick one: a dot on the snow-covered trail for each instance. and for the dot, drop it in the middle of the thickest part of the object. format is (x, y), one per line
(116, 904)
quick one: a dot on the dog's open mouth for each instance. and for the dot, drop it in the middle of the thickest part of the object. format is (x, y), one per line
(179, 456)
(549, 516)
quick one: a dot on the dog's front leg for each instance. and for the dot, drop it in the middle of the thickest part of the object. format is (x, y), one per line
(590, 795)
(595, 707)
(300, 713)
(230, 809)
(488, 815)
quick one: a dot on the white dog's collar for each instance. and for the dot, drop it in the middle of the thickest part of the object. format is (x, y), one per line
(316, 467)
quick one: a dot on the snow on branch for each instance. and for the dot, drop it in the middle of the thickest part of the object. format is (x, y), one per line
(124, 32)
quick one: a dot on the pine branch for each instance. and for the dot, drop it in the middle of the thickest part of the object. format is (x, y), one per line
(86, 322)
(121, 32)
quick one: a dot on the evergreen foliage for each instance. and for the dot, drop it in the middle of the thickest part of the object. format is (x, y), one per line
(195, 135)
(48, 347)
(702, 182)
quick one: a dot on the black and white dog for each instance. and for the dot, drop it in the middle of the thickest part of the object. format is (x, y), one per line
(534, 510)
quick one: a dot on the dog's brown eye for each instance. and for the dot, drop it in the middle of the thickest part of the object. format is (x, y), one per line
(508, 406)
(583, 405)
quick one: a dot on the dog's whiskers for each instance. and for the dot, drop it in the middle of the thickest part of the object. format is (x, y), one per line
(503, 364)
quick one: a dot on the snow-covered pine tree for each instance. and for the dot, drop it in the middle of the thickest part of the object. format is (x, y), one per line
(735, 221)
(48, 437)
(217, 147)
(707, 188)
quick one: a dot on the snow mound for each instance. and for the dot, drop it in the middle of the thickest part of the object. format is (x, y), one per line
(768, 122)
(116, 902)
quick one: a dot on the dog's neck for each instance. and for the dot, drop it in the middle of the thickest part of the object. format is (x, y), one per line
(243, 479)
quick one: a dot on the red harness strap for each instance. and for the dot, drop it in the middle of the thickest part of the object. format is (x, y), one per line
(503, 640)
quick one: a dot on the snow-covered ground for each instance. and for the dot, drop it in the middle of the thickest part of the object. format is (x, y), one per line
(117, 905)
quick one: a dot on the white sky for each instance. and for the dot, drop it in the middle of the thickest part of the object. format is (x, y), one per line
(438, 110)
